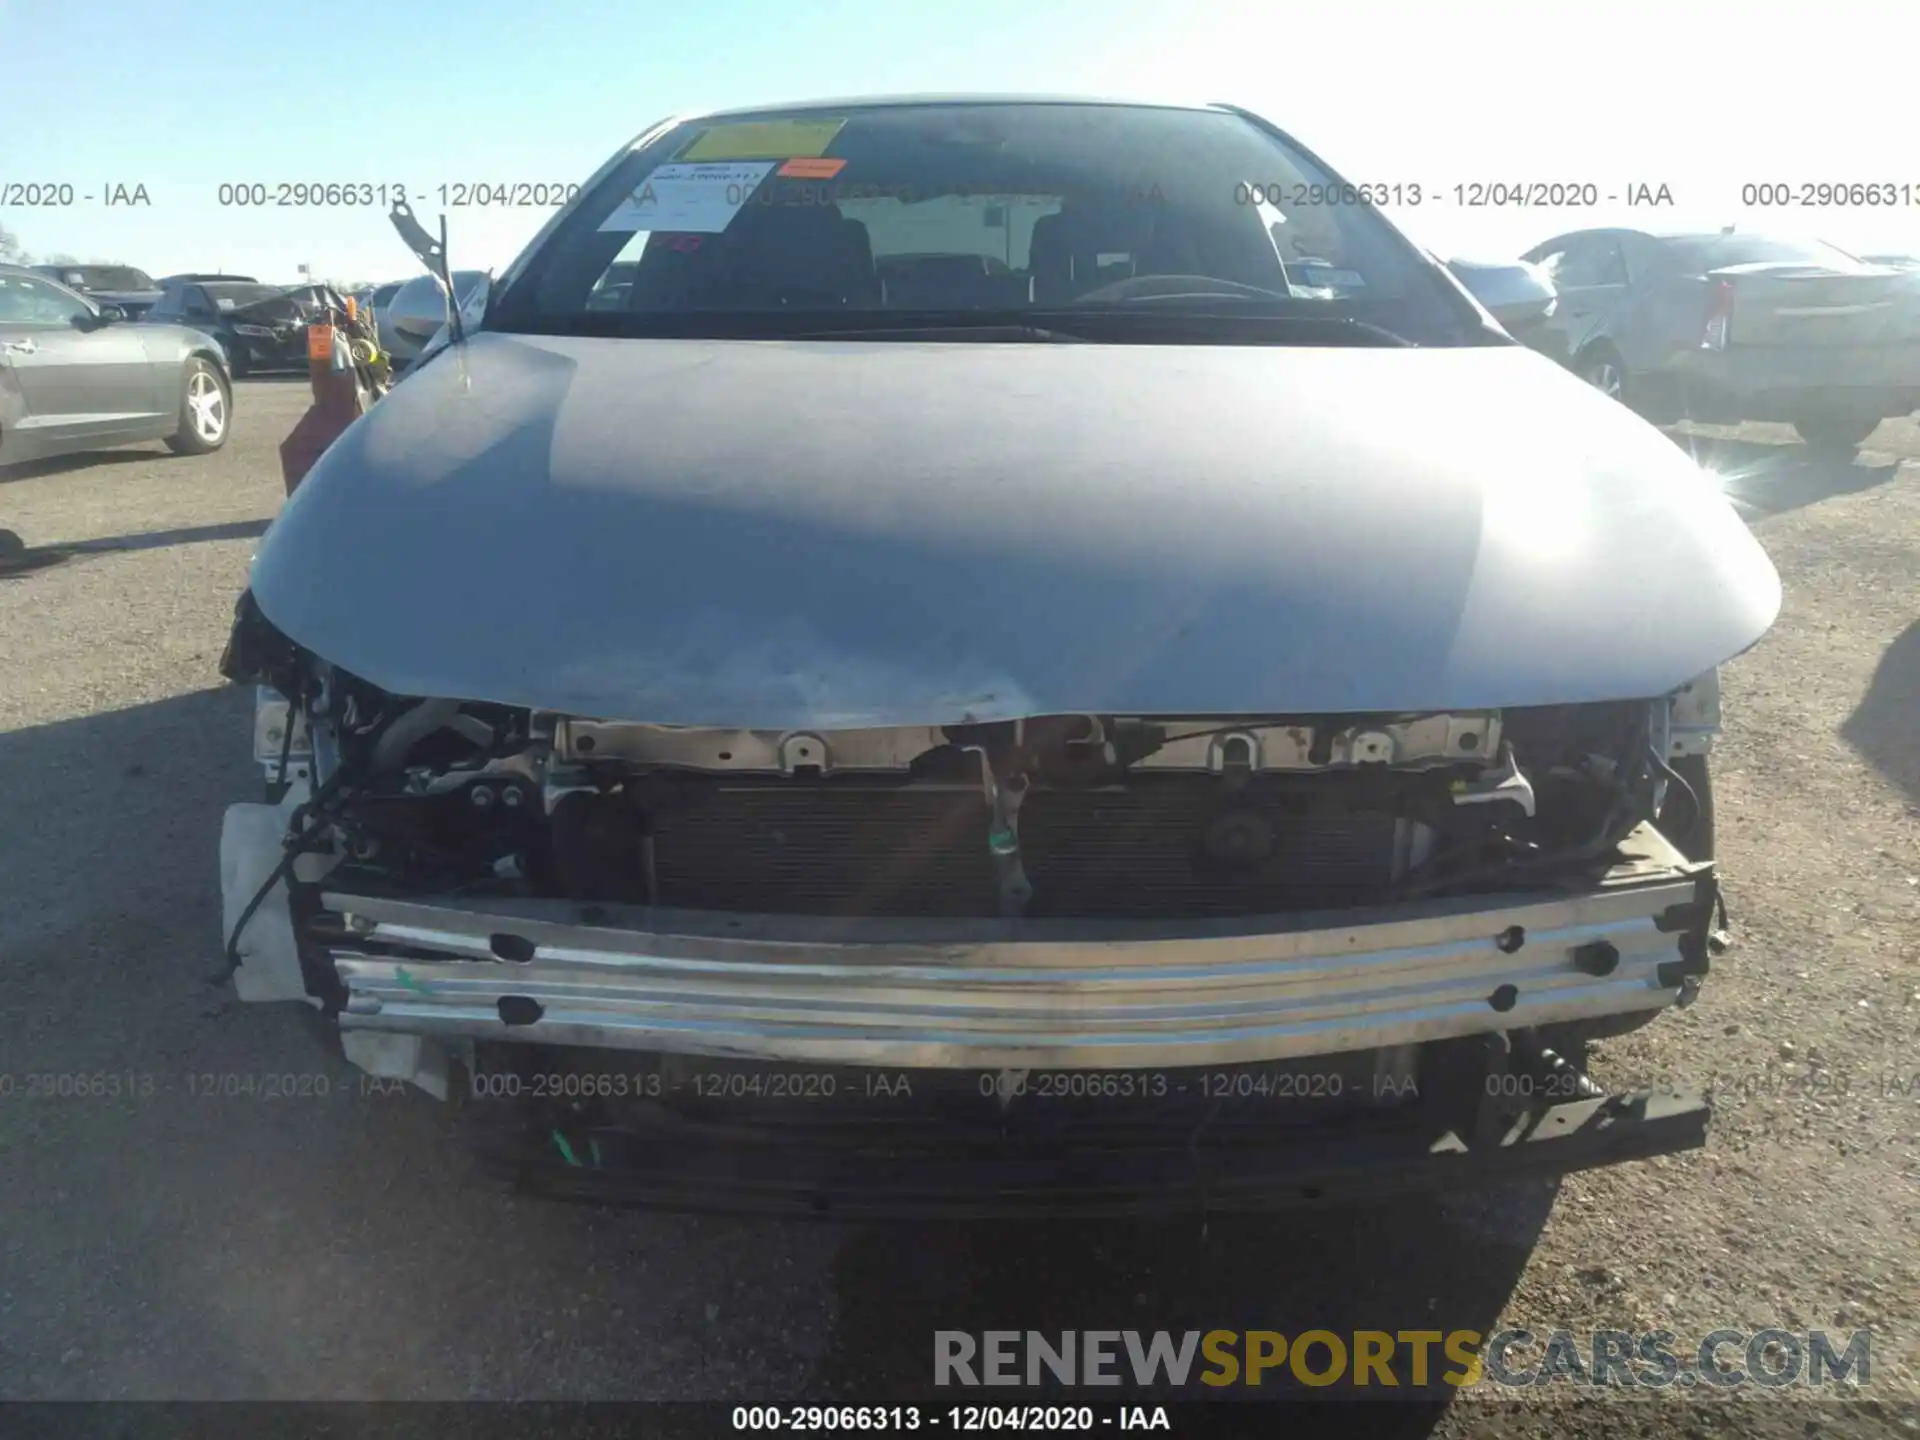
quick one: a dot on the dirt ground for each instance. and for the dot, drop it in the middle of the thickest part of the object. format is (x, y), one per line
(164, 1244)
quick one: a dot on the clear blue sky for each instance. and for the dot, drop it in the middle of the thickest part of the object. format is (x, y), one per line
(177, 96)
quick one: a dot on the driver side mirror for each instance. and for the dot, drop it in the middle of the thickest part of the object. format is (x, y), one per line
(105, 315)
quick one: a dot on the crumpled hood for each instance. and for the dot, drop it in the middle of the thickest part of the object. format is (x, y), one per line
(789, 534)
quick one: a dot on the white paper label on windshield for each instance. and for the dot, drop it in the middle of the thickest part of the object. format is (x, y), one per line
(698, 199)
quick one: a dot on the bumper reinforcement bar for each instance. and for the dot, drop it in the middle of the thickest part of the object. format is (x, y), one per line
(987, 993)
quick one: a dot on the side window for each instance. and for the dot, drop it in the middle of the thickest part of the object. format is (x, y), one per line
(1587, 260)
(194, 303)
(1640, 256)
(167, 306)
(26, 301)
(1610, 262)
(1555, 258)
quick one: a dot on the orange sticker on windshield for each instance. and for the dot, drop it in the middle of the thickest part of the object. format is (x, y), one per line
(319, 342)
(812, 168)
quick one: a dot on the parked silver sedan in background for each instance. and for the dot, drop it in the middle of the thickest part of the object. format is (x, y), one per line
(1731, 326)
(124, 286)
(75, 376)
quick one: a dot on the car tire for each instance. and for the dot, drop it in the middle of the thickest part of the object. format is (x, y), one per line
(1837, 431)
(1687, 824)
(206, 410)
(1603, 369)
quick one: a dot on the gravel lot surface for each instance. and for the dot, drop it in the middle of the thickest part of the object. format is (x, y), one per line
(168, 1246)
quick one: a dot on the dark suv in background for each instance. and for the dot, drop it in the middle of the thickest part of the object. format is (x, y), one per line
(261, 327)
(1729, 327)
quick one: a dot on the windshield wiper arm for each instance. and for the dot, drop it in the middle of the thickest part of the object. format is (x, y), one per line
(984, 331)
(1378, 332)
(1081, 326)
(1238, 327)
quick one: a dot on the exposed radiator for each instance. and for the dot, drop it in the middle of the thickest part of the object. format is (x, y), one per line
(1148, 852)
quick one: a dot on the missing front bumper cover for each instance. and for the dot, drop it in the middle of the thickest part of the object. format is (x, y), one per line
(985, 994)
(683, 1168)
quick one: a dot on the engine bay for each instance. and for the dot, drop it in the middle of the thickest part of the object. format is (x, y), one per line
(1077, 816)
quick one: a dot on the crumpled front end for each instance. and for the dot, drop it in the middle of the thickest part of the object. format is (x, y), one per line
(1120, 931)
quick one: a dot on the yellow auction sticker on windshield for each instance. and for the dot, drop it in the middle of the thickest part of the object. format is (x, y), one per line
(764, 140)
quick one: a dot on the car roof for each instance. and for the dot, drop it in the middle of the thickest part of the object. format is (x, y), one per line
(34, 272)
(886, 102)
(845, 104)
(1598, 230)
(7, 267)
(1703, 235)
(1670, 234)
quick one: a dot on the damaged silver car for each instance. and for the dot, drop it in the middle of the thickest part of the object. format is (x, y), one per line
(982, 656)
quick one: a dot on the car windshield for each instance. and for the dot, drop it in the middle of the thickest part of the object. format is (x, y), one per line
(1714, 252)
(230, 295)
(970, 213)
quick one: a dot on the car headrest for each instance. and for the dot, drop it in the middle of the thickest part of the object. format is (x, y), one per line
(1050, 258)
(796, 255)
